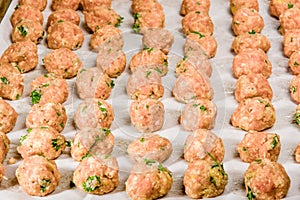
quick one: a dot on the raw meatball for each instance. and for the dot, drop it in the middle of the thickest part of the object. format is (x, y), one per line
(150, 58)
(4, 148)
(11, 82)
(294, 62)
(68, 15)
(291, 42)
(150, 19)
(38, 176)
(150, 146)
(145, 83)
(189, 87)
(265, 179)
(202, 144)
(145, 5)
(277, 7)
(57, 37)
(8, 116)
(147, 115)
(63, 63)
(92, 142)
(27, 30)
(91, 4)
(38, 4)
(203, 179)
(258, 145)
(188, 6)
(43, 140)
(197, 22)
(295, 89)
(158, 38)
(252, 85)
(93, 83)
(289, 20)
(237, 4)
(28, 13)
(251, 61)
(297, 153)
(250, 40)
(48, 88)
(101, 16)
(93, 113)
(198, 114)
(255, 114)
(97, 175)
(247, 20)
(48, 114)
(148, 180)
(65, 4)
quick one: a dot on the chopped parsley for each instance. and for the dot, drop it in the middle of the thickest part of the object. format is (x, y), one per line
(86, 156)
(46, 85)
(203, 108)
(136, 27)
(297, 118)
(147, 106)
(258, 161)
(136, 15)
(200, 35)
(83, 70)
(35, 96)
(296, 64)
(185, 57)
(92, 183)
(275, 141)
(290, 5)
(22, 138)
(22, 30)
(17, 96)
(149, 49)
(166, 62)
(60, 21)
(161, 168)
(55, 144)
(44, 184)
(293, 89)
(4, 80)
(252, 32)
(120, 21)
(244, 149)
(217, 164)
(148, 73)
(158, 70)
(250, 194)
(149, 162)
(62, 125)
(106, 131)
(68, 143)
(83, 109)
(111, 84)
(142, 139)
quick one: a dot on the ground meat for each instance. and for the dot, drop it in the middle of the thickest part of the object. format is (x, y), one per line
(145, 5)
(252, 85)
(188, 6)
(297, 153)
(254, 114)
(250, 40)
(92, 142)
(11, 82)
(91, 4)
(197, 22)
(38, 176)
(97, 175)
(147, 115)
(43, 140)
(150, 146)
(202, 144)
(57, 37)
(206, 43)
(150, 58)
(48, 114)
(63, 15)
(237, 4)
(291, 42)
(295, 89)
(4, 147)
(148, 180)
(145, 83)
(265, 179)
(65, 4)
(2, 171)
(289, 19)
(203, 179)
(294, 62)
(48, 88)
(150, 19)
(247, 20)
(28, 13)
(93, 113)
(27, 30)
(198, 114)
(251, 61)
(8, 116)
(277, 7)
(38, 4)
(63, 63)
(258, 145)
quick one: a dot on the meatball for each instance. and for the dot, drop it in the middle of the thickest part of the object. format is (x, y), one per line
(145, 83)
(101, 16)
(97, 175)
(91, 4)
(8, 116)
(63, 63)
(150, 146)
(158, 38)
(250, 40)
(289, 20)
(206, 43)
(188, 6)
(251, 61)
(38, 4)
(237, 4)
(197, 22)
(63, 15)
(255, 114)
(43, 140)
(93, 113)
(294, 62)
(258, 145)
(48, 88)
(150, 19)
(147, 115)
(297, 153)
(203, 144)
(48, 114)
(203, 179)
(11, 82)
(93, 83)
(252, 85)
(4, 148)
(150, 58)
(277, 7)
(265, 179)
(198, 114)
(295, 89)
(27, 30)
(145, 5)
(291, 42)
(246, 20)
(148, 180)
(92, 142)
(65, 4)
(57, 37)
(189, 87)
(38, 176)
(28, 13)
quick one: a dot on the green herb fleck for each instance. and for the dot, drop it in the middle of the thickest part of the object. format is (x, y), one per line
(149, 162)
(252, 32)
(158, 70)
(217, 164)
(203, 108)
(44, 184)
(46, 85)
(268, 105)
(149, 49)
(111, 84)
(17, 96)
(293, 89)
(22, 30)
(166, 62)
(60, 21)
(136, 15)
(200, 35)
(212, 180)
(142, 139)
(136, 27)
(86, 156)
(55, 144)
(147, 106)
(92, 183)
(258, 161)
(250, 194)
(62, 125)
(35, 96)
(244, 149)
(120, 21)
(297, 118)
(83, 70)
(279, 27)
(290, 6)
(148, 73)
(4, 80)
(260, 101)
(29, 130)
(22, 138)
(46, 76)
(106, 131)
(161, 168)
(68, 143)
(44, 127)
(83, 109)
(17, 6)
(296, 64)
(275, 141)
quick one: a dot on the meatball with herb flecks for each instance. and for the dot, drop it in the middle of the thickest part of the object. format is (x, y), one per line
(237, 4)
(291, 42)
(295, 89)
(188, 6)
(149, 19)
(8, 116)
(294, 63)
(63, 15)
(197, 22)
(277, 7)
(289, 19)
(27, 30)
(26, 12)
(38, 4)
(65, 4)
